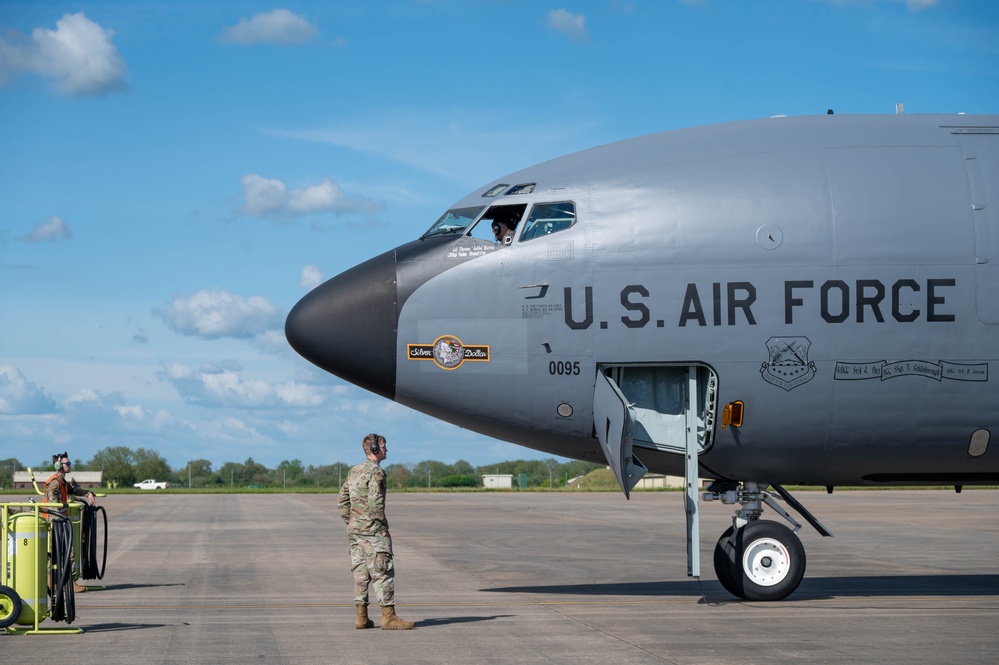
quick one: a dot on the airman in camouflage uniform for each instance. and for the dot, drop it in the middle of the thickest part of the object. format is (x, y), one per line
(362, 507)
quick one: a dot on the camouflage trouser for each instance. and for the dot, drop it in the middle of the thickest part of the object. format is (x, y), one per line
(371, 562)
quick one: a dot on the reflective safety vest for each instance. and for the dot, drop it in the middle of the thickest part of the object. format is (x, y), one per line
(63, 492)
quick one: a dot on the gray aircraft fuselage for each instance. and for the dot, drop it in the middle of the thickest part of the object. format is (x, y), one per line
(836, 275)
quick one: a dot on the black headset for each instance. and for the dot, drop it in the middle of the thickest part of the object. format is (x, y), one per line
(375, 447)
(57, 460)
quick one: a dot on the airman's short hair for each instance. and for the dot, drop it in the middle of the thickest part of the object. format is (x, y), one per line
(370, 440)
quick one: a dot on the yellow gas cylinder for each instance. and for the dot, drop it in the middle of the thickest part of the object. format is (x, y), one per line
(27, 544)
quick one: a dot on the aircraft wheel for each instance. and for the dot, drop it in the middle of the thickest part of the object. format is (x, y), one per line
(771, 561)
(724, 557)
(10, 606)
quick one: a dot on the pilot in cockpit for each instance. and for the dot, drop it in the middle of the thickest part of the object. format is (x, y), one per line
(505, 223)
(502, 232)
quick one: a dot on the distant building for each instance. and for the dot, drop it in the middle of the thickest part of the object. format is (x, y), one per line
(88, 479)
(650, 481)
(498, 481)
(657, 481)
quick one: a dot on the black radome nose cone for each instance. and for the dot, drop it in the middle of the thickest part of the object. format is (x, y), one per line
(347, 325)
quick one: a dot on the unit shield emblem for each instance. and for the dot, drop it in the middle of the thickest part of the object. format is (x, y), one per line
(788, 366)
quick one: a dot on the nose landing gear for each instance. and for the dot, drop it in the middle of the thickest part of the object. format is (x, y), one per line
(757, 559)
(761, 561)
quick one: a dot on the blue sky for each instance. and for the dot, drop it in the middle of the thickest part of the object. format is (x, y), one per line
(174, 176)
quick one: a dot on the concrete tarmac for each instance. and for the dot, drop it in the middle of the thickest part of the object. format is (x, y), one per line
(909, 577)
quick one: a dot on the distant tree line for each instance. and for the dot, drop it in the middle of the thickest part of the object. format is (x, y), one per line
(122, 467)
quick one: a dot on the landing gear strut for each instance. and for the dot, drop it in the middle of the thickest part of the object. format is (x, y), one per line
(757, 559)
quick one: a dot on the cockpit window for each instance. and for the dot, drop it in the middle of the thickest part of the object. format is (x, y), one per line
(453, 221)
(548, 218)
(499, 223)
(521, 189)
(493, 191)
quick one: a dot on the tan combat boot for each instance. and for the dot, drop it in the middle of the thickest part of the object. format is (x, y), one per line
(390, 621)
(362, 618)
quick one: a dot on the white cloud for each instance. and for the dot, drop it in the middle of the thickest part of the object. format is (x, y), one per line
(279, 26)
(311, 277)
(230, 428)
(79, 55)
(93, 401)
(216, 313)
(268, 198)
(223, 386)
(51, 229)
(299, 395)
(273, 342)
(92, 409)
(19, 396)
(571, 25)
(36, 431)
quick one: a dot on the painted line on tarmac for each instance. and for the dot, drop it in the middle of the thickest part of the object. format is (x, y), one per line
(873, 603)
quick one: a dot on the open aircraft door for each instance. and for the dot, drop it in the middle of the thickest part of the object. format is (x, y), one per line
(614, 422)
(981, 158)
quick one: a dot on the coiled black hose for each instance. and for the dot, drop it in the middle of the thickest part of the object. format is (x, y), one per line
(63, 603)
(88, 543)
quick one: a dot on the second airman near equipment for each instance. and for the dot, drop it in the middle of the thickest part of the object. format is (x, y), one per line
(58, 490)
(362, 507)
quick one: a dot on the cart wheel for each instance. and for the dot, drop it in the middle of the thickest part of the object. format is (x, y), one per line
(10, 606)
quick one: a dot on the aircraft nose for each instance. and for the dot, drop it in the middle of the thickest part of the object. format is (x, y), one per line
(347, 325)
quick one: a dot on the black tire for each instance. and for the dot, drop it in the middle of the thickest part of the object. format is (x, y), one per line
(770, 562)
(10, 606)
(725, 561)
